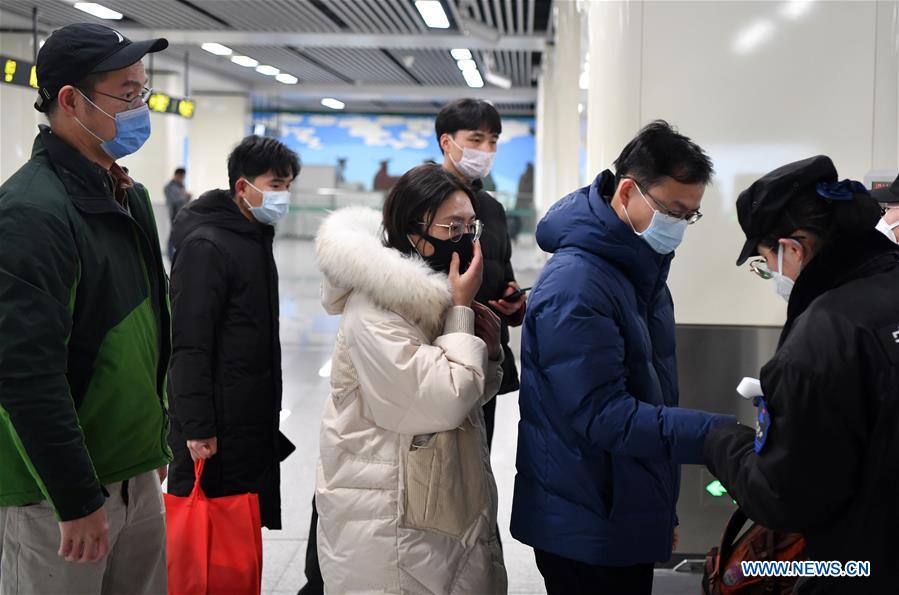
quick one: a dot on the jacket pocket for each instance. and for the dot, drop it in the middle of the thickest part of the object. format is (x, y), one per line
(445, 484)
(35, 511)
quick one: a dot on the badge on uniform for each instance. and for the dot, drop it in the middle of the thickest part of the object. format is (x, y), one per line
(762, 424)
(889, 336)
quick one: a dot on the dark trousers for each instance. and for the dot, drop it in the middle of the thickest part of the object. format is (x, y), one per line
(570, 577)
(489, 416)
(315, 585)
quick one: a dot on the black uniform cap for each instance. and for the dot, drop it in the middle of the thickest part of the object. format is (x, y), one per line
(760, 207)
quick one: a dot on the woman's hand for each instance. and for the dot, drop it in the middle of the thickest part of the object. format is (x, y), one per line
(487, 327)
(465, 287)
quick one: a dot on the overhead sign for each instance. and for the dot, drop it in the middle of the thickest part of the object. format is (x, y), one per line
(23, 74)
(166, 104)
(18, 72)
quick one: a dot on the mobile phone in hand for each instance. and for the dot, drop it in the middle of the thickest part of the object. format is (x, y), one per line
(514, 297)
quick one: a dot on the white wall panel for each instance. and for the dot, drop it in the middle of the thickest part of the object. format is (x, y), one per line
(557, 129)
(219, 125)
(757, 84)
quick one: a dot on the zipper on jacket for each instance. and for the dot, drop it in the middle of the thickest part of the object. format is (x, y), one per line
(141, 238)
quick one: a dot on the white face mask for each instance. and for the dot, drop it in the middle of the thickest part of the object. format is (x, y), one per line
(475, 164)
(783, 285)
(275, 204)
(888, 229)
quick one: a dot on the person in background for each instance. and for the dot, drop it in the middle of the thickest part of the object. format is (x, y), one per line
(404, 486)
(823, 459)
(84, 334)
(601, 437)
(888, 197)
(176, 198)
(468, 132)
(225, 378)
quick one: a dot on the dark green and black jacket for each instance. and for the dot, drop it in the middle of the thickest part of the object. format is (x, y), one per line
(84, 333)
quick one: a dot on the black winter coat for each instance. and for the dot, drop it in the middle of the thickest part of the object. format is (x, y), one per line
(829, 468)
(225, 377)
(497, 250)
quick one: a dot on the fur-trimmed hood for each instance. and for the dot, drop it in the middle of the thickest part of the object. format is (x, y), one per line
(351, 256)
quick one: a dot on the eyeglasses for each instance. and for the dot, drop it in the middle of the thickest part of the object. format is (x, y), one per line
(759, 266)
(458, 229)
(136, 101)
(691, 217)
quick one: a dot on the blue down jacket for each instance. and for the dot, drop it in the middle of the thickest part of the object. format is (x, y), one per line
(601, 436)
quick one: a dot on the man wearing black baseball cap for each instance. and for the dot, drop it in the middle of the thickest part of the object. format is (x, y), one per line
(84, 334)
(888, 197)
(824, 457)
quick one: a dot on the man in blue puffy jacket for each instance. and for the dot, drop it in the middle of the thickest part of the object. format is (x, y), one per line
(601, 436)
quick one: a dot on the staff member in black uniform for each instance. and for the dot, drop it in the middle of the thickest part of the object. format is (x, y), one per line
(824, 458)
(889, 200)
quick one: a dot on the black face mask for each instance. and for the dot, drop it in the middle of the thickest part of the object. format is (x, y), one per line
(443, 253)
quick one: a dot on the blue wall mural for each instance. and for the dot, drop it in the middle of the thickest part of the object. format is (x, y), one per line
(365, 142)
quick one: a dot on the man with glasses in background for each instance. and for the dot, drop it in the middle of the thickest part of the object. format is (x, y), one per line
(84, 334)
(888, 197)
(601, 437)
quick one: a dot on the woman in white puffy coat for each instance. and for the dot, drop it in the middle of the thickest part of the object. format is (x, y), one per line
(405, 493)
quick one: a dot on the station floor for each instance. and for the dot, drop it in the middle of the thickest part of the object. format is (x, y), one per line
(307, 336)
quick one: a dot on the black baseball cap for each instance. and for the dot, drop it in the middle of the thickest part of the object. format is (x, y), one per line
(887, 194)
(75, 51)
(760, 208)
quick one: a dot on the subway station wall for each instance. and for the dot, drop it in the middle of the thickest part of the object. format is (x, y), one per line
(757, 84)
(369, 152)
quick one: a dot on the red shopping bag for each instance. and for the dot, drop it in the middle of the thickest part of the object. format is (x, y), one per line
(214, 545)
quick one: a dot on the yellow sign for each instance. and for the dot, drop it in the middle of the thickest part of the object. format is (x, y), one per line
(9, 70)
(17, 72)
(159, 102)
(166, 104)
(186, 108)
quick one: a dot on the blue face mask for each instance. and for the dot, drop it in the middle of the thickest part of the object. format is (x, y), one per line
(275, 205)
(132, 130)
(665, 233)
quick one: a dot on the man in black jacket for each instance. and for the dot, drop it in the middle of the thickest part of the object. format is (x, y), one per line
(824, 457)
(225, 377)
(468, 133)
